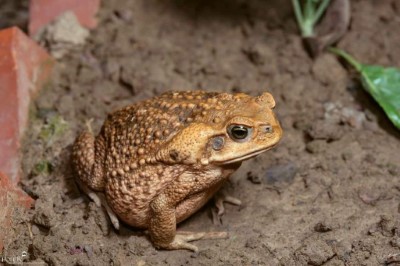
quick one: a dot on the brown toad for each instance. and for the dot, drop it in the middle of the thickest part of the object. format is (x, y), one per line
(160, 160)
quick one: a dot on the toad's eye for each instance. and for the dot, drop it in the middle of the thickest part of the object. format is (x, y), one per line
(239, 133)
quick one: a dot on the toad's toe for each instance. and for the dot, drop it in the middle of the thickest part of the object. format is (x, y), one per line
(221, 198)
(182, 238)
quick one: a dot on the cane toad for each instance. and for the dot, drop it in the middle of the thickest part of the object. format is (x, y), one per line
(159, 161)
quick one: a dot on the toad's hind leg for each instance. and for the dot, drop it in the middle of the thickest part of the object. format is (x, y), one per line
(88, 156)
(172, 206)
(163, 229)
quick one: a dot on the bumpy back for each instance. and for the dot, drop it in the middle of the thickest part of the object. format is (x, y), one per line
(137, 130)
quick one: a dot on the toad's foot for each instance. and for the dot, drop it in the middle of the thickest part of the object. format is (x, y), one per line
(113, 217)
(88, 124)
(100, 200)
(182, 238)
(90, 193)
(222, 197)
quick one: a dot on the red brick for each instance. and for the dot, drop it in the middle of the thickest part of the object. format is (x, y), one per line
(24, 68)
(41, 12)
(11, 198)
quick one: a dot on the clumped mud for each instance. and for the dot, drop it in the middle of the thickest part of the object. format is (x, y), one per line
(329, 194)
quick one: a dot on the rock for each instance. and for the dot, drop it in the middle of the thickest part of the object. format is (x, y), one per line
(254, 178)
(388, 225)
(369, 196)
(253, 243)
(336, 113)
(314, 252)
(323, 227)
(42, 12)
(322, 129)
(44, 214)
(393, 169)
(392, 259)
(63, 35)
(395, 242)
(316, 146)
(281, 173)
(124, 14)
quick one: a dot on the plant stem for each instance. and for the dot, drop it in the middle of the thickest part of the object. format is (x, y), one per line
(307, 29)
(347, 57)
(297, 12)
(309, 9)
(310, 14)
(321, 9)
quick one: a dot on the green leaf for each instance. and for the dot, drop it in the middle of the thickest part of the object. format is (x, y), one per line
(383, 83)
(53, 129)
(43, 167)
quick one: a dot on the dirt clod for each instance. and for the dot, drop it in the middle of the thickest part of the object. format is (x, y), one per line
(323, 227)
(326, 131)
(44, 214)
(280, 173)
(314, 252)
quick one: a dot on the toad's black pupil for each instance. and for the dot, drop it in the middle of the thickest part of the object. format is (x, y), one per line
(239, 132)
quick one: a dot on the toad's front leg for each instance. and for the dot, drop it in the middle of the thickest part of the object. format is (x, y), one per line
(163, 219)
(221, 197)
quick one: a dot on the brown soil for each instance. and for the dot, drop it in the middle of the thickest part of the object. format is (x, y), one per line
(327, 195)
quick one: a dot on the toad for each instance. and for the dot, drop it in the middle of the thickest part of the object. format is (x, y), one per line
(158, 161)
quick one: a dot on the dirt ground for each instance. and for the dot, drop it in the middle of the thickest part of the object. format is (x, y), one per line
(329, 194)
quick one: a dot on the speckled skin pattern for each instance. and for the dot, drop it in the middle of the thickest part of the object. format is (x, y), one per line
(158, 161)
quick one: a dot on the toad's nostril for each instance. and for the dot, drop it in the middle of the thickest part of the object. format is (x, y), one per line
(268, 129)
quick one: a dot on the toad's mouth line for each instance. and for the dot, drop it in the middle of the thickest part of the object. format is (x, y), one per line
(247, 156)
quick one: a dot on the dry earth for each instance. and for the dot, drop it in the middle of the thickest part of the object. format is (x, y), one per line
(329, 194)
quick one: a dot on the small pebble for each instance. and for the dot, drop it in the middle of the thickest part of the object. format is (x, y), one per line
(75, 250)
(281, 173)
(254, 178)
(322, 227)
(88, 250)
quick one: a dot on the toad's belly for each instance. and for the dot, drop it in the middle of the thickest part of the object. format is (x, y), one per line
(131, 205)
(129, 196)
(193, 203)
(136, 212)
(131, 200)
